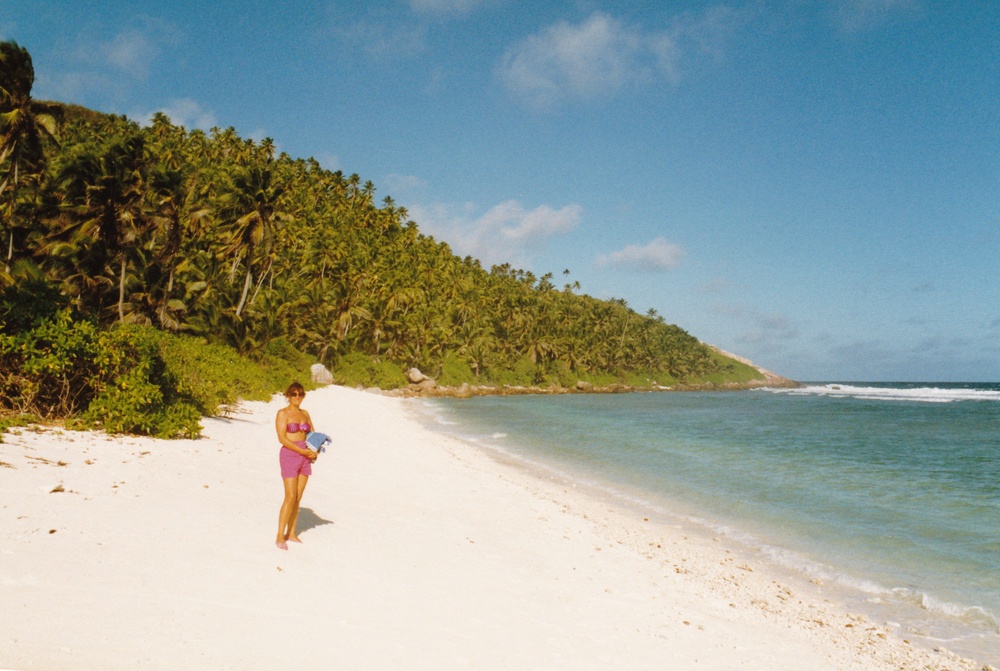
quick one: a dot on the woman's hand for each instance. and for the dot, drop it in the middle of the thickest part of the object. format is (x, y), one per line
(311, 455)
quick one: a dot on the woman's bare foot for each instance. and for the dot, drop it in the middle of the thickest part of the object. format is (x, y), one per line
(281, 545)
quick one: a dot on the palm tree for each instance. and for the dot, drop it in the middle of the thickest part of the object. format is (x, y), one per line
(105, 195)
(250, 209)
(24, 125)
(167, 193)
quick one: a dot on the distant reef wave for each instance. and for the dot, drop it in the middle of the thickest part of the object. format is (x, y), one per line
(924, 394)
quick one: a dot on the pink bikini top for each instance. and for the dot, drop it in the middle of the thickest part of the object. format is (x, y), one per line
(295, 427)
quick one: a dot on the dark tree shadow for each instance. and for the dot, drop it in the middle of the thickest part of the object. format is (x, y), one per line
(310, 520)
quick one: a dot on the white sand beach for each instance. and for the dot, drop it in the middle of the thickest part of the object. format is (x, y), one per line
(419, 552)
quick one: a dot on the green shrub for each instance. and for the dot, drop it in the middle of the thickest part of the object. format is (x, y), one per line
(50, 370)
(358, 369)
(166, 382)
(134, 403)
(137, 391)
(598, 378)
(130, 378)
(639, 379)
(388, 375)
(207, 375)
(728, 370)
(561, 373)
(280, 351)
(214, 376)
(523, 374)
(455, 371)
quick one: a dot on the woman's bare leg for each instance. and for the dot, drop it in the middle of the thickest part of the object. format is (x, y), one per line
(288, 506)
(300, 487)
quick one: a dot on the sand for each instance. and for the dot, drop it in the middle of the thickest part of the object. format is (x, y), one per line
(419, 552)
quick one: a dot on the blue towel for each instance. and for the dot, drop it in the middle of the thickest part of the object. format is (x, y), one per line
(318, 441)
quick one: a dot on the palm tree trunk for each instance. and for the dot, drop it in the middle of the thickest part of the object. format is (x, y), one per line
(256, 289)
(246, 290)
(121, 293)
(624, 331)
(13, 206)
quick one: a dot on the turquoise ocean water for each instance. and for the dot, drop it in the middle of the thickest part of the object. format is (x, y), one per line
(889, 491)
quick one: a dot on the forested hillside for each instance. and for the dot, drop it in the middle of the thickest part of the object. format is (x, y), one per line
(213, 236)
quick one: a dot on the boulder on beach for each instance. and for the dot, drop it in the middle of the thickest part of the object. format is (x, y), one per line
(321, 374)
(415, 376)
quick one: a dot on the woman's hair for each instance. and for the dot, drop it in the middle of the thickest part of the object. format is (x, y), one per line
(295, 386)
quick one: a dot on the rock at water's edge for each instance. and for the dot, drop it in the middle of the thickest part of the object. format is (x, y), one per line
(415, 376)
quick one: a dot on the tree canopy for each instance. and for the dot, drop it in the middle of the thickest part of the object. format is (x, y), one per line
(212, 235)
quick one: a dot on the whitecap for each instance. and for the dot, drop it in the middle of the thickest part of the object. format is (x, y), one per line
(916, 394)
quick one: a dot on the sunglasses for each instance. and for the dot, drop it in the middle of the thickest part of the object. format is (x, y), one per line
(296, 394)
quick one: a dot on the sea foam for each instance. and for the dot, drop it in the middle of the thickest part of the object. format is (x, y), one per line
(916, 394)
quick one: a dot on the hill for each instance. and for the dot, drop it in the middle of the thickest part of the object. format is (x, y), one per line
(216, 237)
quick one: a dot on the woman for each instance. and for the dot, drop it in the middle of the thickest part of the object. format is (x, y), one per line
(292, 425)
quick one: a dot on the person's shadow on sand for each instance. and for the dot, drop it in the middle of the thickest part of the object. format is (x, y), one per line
(310, 520)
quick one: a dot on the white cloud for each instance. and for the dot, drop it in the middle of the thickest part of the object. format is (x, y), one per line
(71, 86)
(601, 56)
(184, 112)
(397, 184)
(131, 51)
(655, 256)
(104, 65)
(517, 225)
(506, 233)
(595, 57)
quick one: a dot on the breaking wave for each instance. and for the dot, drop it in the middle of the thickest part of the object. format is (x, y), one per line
(911, 393)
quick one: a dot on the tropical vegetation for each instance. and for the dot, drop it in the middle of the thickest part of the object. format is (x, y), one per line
(125, 243)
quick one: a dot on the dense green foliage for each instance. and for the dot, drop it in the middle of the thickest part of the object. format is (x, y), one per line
(128, 378)
(211, 235)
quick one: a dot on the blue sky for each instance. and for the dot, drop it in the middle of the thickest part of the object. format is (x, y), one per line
(812, 184)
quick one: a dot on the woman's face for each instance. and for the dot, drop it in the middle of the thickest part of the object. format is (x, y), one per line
(295, 398)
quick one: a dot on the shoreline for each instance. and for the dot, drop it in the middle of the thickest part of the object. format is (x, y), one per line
(421, 385)
(420, 552)
(921, 619)
(428, 388)
(469, 391)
